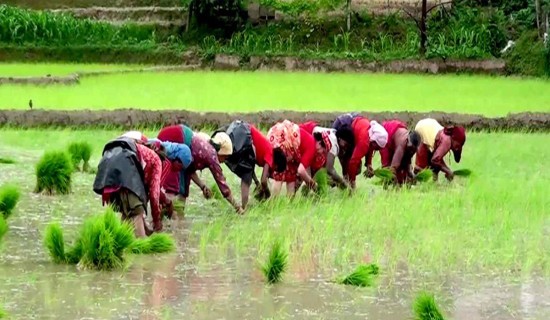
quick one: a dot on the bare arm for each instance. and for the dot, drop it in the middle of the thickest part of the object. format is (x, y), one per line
(304, 175)
(197, 180)
(332, 172)
(245, 193)
(265, 176)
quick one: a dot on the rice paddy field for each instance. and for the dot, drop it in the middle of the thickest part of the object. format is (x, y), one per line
(480, 244)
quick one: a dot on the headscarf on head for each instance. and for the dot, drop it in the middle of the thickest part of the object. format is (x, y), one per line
(378, 134)
(173, 151)
(458, 134)
(223, 143)
(136, 135)
(286, 135)
(325, 135)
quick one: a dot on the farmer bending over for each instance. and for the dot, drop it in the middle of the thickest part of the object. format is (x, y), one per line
(437, 141)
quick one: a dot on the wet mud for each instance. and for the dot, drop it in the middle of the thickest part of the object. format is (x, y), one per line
(135, 118)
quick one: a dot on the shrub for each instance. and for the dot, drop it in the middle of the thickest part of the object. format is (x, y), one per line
(80, 152)
(529, 56)
(425, 308)
(276, 264)
(53, 173)
(9, 196)
(361, 277)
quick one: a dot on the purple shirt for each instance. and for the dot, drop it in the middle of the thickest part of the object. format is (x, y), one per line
(205, 156)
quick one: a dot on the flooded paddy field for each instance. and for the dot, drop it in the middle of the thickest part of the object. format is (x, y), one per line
(479, 244)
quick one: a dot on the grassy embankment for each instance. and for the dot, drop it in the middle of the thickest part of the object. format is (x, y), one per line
(494, 222)
(259, 91)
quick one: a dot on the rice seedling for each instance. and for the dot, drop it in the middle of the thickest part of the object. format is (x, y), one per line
(361, 277)
(3, 313)
(53, 240)
(3, 227)
(216, 193)
(276, 264)
(9, 196)
(462, 173)
(7, 161)
(80, 152)
(156, 243)
(424, 175)
(321, 177)
(53, 173)
(385, 174)
(425, 308)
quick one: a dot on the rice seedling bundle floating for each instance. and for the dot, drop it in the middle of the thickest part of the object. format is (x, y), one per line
(276, 264)
(102, 243)
(9, 196)
(363, 276)
(80, 152)
(425, 308)
(424, 175)
(462, 173)
(53, 173)
(7, 161)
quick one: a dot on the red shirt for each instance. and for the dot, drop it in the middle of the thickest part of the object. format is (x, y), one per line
(309, 126)
(307, 148)
(153, 175)
(394, 151)
(264, 150)
(360, 127)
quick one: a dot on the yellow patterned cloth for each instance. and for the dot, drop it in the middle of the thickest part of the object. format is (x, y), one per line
(428, 130)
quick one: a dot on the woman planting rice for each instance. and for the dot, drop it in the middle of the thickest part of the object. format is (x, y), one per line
(300, 148)
(331, 144)
(130, 174)
(251, 148)
(401, 147)
(437, 141)
(363, 137)
(177, 134)
(209, 153)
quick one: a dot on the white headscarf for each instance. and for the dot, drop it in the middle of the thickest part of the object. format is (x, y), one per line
(378, 134)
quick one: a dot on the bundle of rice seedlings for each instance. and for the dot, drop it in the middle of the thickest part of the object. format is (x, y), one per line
(216, 193)
(361, 277)
(3, 227)
(80, 152)
(384, 173)
(53, 240)
(53, 173)
(104, 239)
(321, 177)
(156, 243)
(424, 175)
(462, 173)
(425, 308)
(276, 264)
(9, 196)
(7, 161)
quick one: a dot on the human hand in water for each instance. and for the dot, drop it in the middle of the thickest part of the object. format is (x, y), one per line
(369, 173)
(239, 210)
(450, 176)
(207, 193)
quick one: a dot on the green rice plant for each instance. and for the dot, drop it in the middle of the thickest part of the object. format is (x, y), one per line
(216, 193)
(3, 313)
(321, 177)
(80, 152)
(156, 243)
(384, 174)
(104, 239)
(361, 277)
(9, 196)
(424, 175)
(462, 173)
(425, 308)
(53, 240)
(7, 161)
(53, 173)
(3, 227)
(276, 264)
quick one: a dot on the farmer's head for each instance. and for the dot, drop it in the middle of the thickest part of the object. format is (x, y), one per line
(413, 141)
(322, 142)
(179, 155)
(279, 160)
(378, 136)
(223, 145)
(458, 139)
(345, 138)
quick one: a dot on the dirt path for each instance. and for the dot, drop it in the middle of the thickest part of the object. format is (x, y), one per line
(133, 118)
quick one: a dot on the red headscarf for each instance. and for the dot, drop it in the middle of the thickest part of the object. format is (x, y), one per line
(458, 134)
(325, 135)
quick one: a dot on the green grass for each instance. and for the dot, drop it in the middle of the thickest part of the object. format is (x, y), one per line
(7, 161)
(3, 227)
(425, 308)
(259, 91)
(9, 196)
(56, 69)
(156, 243)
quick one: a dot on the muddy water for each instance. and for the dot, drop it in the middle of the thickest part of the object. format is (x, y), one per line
(182, 284)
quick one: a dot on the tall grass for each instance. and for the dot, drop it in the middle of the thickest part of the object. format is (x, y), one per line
(53, 173)
(23, 26)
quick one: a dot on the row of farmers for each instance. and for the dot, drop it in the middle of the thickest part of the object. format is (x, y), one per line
(136, 170)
